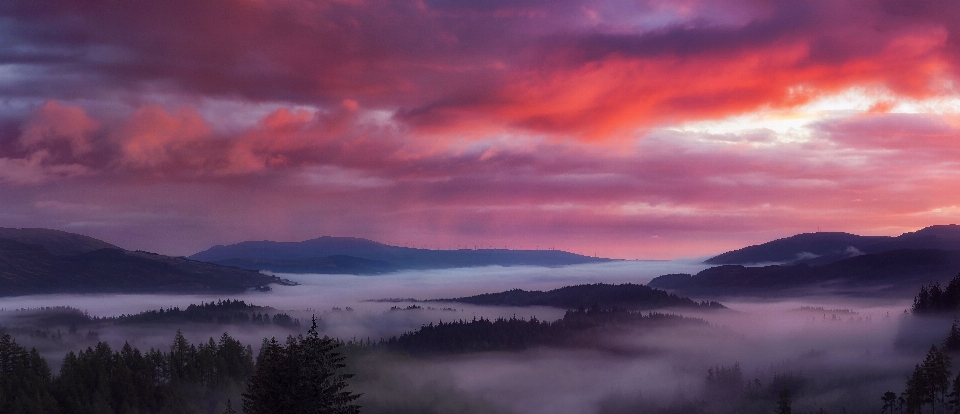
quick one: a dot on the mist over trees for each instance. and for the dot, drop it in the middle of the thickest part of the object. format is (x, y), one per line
(577, 328)
(930, 385)
(303, 376)
(932, 299)
(187, 377)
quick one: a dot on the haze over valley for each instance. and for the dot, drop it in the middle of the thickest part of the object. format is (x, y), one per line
(596, 337)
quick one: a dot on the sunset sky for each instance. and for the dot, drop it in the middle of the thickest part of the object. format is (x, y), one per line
(628, 129)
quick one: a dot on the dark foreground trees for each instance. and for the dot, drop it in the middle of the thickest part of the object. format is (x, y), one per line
(188, 379)
(928, 386)
(933, 299)
(783, 402)
(24, 379)
(301, 377)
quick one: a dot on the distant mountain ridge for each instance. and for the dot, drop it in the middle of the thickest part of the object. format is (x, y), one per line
(827, 247)
(42, 261)
(362, 256)
(827, 262)
(896, 273)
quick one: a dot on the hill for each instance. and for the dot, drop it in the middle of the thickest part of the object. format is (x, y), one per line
(336, 264)
(604, 296)
(361, 256)
(56, 242)
(582, 328)
(826, 247)
(28, 265)
(896, 273)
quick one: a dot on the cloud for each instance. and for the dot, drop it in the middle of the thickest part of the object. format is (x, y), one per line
(152, 137)
(588, 68)
(561, 122)
(54, 124)
(33, 169)
(297, 174)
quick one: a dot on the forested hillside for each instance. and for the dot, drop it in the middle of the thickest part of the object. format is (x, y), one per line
(606, 296)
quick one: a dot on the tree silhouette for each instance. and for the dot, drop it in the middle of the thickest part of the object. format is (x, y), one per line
(783, 402)
(229, 409)
(953, 402)
(889, 402)
(24, 379)
(301, 377)
(929, 382)
(952, 343)
(933, 299)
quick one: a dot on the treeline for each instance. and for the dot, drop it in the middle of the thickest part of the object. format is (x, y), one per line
(577, 328)
(726, 389)
(929, 385)
(933, 299)
(187, 379)
(303, 375)
(220, 312)
(628, 295)
(54, 315)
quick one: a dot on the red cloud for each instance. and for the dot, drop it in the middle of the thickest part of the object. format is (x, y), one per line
(151, 137)
(55, 125)
(461, 119)
(338, 172)
(576, 68)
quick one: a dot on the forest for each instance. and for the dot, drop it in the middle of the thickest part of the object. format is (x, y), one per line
(577, 328)
(628, 295)
(220, 374)
(216, 375)
(301, 375)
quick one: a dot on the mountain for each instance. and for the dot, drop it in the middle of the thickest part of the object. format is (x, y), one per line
(826, 247)
(896, 273)
(361, 256)
(56, 242)
(604, 296)
(336, 264)
(41, 261)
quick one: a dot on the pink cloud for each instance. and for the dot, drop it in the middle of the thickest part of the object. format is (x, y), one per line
(152, 137)
(298, 174)
(54, 124)
(497, 66)
(440, 121)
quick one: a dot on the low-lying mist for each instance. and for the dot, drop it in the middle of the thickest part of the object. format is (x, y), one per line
(833, 353)
(839, 357)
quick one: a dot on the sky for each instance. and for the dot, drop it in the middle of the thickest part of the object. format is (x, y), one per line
(628, 129)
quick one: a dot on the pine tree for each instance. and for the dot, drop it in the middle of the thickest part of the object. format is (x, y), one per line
(954, 396)
(24, 380)
(929, 382)
(182, 359)
(952, 343)
(230, 409)
(319, 381)
(936, 368)
(889, 402)
(301, 377)
(270, 390)
(783, 402)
